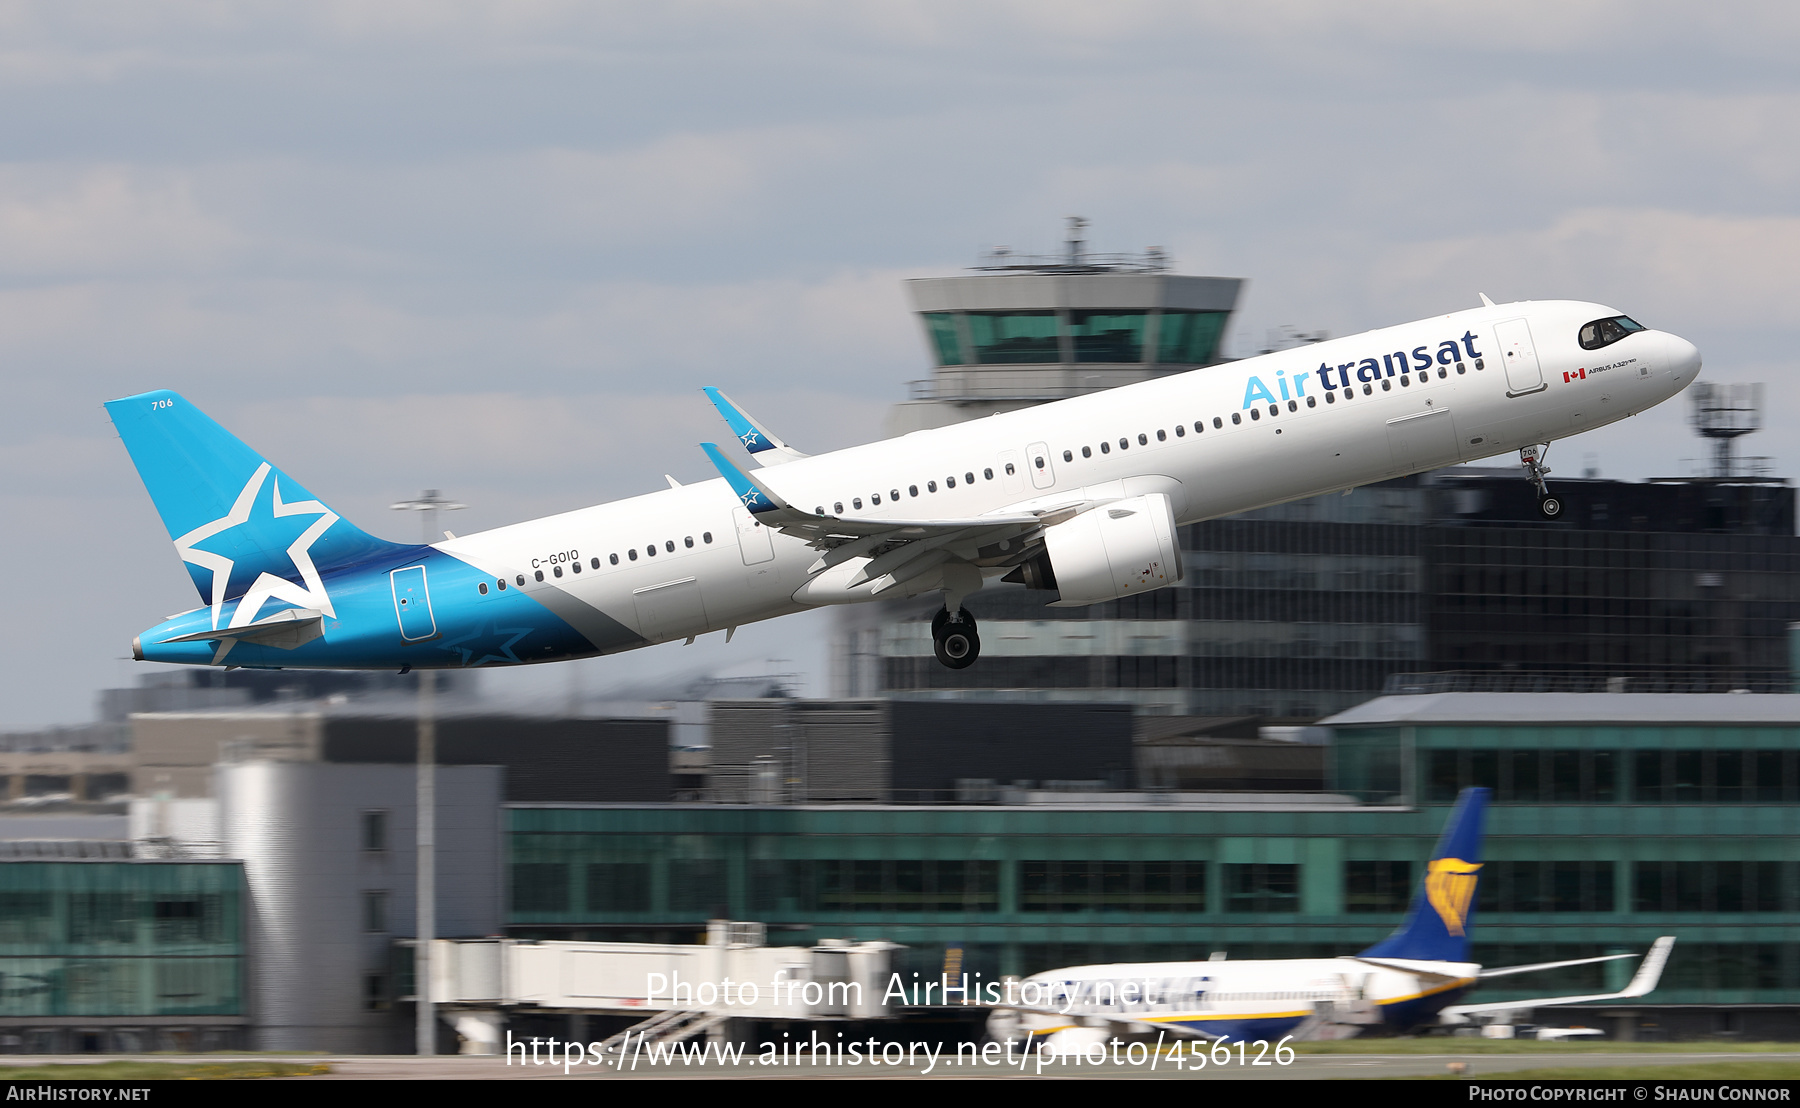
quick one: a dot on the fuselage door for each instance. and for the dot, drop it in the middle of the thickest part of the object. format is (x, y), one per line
(412, 604)
(1523, 373)
(1037, 460)
(753, 538)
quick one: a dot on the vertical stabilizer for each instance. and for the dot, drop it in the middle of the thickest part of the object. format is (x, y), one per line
(244, 528)
(1442, 914)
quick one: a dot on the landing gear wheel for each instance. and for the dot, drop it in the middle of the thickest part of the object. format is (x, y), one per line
(1550, 506)
(953, 639)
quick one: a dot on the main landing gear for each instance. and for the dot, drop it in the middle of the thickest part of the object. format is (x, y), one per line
(953, 638)
(1532, 458)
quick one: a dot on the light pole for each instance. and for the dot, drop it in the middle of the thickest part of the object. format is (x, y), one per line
(425, 822)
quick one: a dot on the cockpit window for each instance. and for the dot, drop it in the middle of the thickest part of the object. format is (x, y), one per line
(1605, 332)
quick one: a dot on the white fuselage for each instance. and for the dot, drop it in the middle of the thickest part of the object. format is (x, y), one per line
(715, 567)
(1233, 1000)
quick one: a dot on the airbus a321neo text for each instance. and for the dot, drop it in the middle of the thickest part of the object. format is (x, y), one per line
(1081, 498)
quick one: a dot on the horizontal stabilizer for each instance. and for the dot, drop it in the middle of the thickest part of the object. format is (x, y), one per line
(284, 630)
(762, 444)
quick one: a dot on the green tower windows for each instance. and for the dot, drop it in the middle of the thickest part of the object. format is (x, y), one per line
(1011, 338)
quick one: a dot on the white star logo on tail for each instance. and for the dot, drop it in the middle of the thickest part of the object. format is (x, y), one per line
(266, 585)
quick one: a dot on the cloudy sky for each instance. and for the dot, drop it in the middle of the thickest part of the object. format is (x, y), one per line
(497, 248)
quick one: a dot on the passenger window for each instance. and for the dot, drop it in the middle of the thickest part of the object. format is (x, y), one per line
(539, 574)
(837, 509)
(1331, 398)
(1106, 448)
(874, 498)
(819, 510)
(669, 546)
(1442, 373)
(1386, 385)
(1068, 455)
(1405, 380)
(931, 486)
(968, 478)
(1124, 444)
(1274, 411)
(1255, 413)
(1480, 363)
(613, 558)
(1459, 369)
(632, 553)
(1161, 435)
(522, 579)
(950, 482)
(650, 550)
(576, 566)
(500, 584)
(1009, 469)
(1217, 422)
(595, 562)
(894, 494)
(912, 490)
(482, 588)
(855, 502)
(1180, 431)
(689, 542)
(1143, 439)
(1087, 452)
(1312, 401)
(556, 570)
(987, 474)
(1293, 406)
(1235, 418)
(705, 536)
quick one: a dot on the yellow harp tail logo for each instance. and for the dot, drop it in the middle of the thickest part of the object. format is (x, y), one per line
(1450, 885)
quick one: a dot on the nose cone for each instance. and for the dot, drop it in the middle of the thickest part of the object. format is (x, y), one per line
(1683, 358)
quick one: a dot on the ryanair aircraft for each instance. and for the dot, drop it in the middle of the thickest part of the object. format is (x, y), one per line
(1413, 976)
(1081, 498)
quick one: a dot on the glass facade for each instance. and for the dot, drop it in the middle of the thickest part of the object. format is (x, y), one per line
(1110, 336)
(1019, 890)
(121, 939)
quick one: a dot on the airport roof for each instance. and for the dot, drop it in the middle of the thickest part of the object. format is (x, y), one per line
(1721, 709)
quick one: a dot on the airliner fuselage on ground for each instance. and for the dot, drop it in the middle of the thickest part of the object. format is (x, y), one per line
(1081, 496)
(1416, 975)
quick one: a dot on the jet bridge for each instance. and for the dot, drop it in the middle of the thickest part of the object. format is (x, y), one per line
(681, 989)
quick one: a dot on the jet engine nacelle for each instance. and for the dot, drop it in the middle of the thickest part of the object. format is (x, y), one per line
(1115, 550)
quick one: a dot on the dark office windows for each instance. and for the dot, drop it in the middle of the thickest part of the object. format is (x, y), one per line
(540, 886)
(1377, 886)
(1262, 887)
(374, 830)
(1189, 338)
(697, 885)
(944, 337)
(904, 885)
(1108, 336)
(186, 919)
(618, 887)
(1711, 886)
(102, 918)
(375, 910)
(1115, 886)
(1008, 338)
(1712, 776)
(1524, 776)
(1545, 887)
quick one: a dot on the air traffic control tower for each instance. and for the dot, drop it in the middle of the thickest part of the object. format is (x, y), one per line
(1022, 330)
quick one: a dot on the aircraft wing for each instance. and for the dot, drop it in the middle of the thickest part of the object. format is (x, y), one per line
(1506, 971)
(1649, 972)
(1120, 1024)
(757, 439)
(897, 549)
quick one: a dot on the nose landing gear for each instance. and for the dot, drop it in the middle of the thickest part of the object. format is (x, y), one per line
(953, 638)
(1532, 458)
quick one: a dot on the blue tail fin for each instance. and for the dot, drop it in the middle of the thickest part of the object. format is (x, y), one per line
(238, 522)
(1437, 925)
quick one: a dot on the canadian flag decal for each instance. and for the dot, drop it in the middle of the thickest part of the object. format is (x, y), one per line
(1574, 375)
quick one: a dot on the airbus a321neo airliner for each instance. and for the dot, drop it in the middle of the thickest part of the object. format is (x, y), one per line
(1080, 497)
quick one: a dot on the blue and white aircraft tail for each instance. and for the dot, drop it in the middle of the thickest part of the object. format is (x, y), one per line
(1413, 976)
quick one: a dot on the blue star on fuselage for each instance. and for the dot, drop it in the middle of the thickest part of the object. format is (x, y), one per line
(483, 639)
(262, 540)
